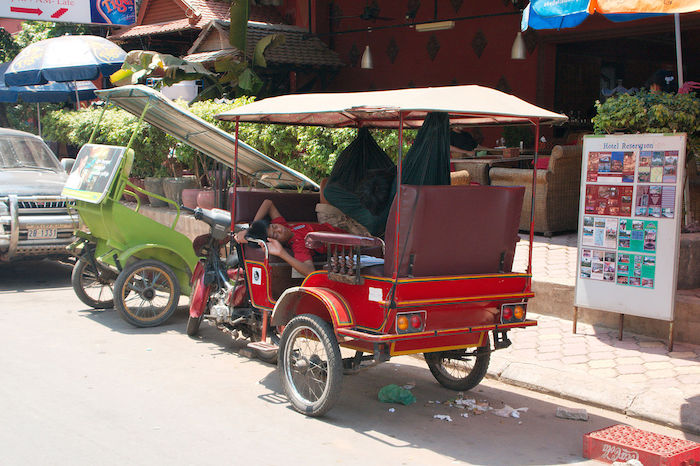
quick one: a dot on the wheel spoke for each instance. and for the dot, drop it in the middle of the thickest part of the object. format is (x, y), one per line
(144, 306)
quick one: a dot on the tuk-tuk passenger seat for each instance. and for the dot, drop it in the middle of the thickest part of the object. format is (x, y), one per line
(295, 207)
(454, 230)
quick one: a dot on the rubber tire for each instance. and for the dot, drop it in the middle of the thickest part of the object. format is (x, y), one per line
(193, 324)
(325, 335)
(84, 266)
(471, 380)
(121, 292)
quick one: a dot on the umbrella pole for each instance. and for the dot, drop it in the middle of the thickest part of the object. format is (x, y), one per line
(679, 51)
(77, 98)
(38, 118)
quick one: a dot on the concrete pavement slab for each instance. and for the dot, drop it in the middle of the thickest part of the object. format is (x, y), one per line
(576, 386)
(667, 406)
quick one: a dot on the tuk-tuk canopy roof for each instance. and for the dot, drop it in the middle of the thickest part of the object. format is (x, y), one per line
(203, 136)
(469, 105)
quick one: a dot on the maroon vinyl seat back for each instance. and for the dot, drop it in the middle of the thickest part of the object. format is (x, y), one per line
(454, 230)
(295, 207)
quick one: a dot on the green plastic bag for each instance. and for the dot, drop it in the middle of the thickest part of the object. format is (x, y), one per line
(395, 394)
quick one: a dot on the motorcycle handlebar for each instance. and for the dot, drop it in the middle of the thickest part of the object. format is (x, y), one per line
(210, 216)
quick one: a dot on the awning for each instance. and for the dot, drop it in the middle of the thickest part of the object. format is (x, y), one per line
(203, 136)
(469, 105)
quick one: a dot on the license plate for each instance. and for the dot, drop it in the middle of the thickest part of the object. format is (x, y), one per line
(42, 232)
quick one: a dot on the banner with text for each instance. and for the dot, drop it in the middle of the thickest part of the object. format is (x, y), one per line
(118, 12)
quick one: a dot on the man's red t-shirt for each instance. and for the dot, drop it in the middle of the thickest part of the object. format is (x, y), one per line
(297, 243)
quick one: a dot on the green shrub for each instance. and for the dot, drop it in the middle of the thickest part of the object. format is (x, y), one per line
(309, 150)
(645, 112)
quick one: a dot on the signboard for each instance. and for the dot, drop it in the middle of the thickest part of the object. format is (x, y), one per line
(629, 223)
(120, 12)
(94, 170)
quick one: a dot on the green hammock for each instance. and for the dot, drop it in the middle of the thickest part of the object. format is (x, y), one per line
(361, 155)
(427, 162)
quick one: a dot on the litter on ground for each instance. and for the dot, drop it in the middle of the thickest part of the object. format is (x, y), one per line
(394, 394)
(572, 413)
(509, 411)
(443, 417)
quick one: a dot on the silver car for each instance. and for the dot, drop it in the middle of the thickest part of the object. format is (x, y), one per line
(34, 219)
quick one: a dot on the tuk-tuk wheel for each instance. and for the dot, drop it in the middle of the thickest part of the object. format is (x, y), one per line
(92, 288)
(459, 369)
(310, 365)
(146, 293)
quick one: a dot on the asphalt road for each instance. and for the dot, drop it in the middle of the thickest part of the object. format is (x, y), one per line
(82, 387)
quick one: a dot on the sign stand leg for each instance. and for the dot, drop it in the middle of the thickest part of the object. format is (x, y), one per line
(575, 318)
(622, 326)
(670, 336)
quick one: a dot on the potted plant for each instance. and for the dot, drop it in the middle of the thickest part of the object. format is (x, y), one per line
(178, 181)
(154, 184)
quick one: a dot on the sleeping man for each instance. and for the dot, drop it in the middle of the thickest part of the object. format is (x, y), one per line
(280, 233)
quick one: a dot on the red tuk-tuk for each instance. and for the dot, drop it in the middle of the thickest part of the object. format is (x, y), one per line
(445, 284)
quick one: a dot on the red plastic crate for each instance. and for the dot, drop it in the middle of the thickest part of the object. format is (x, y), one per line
(623, 443)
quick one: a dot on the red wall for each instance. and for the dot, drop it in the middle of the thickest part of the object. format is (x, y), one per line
(456, 62)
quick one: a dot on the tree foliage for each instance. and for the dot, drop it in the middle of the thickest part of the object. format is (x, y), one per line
(34, 31)
(309, 150)
(8, 47)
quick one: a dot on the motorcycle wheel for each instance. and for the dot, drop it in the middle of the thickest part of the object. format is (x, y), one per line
(92, 289)
(193, 324)
(146, 293)
(310, 365)
(459, 369)
(199, 296)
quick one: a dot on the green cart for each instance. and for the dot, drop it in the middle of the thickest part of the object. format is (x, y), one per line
(126, 260)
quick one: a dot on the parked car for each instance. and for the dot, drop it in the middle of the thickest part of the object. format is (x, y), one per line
(34, 219)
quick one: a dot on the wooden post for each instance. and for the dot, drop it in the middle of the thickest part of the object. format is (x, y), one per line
(622, 326)
(575, 318)
(670, 336)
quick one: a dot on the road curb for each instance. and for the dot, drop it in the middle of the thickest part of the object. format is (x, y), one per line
(668, 406)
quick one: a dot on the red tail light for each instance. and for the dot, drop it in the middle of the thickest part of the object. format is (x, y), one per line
(410, 322)
(514, 312)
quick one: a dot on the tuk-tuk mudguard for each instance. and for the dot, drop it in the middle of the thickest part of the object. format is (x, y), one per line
(323, 302)
(166, 255)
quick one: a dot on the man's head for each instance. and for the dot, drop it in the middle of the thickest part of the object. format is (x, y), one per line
(279, 232)
(375, 189)
(661, 81)
(258, 230)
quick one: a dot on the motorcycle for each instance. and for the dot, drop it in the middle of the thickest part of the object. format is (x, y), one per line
(219, 292)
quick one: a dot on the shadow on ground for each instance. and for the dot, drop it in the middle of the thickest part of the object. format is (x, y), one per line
(34, 274)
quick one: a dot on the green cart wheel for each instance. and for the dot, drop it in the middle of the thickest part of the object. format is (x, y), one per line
(92, 288)
(146, 293)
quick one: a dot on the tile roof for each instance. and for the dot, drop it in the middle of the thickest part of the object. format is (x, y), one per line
(152, 29)
(207, 10)
(299, 48)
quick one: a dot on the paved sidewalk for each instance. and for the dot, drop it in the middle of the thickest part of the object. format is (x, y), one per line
(636, 376)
